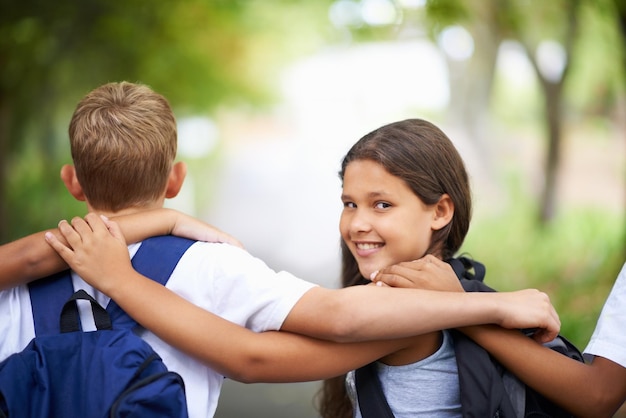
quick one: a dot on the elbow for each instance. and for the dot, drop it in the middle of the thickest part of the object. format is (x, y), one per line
(605, 407)
(600, 404)
(251, 368)
(244, 377)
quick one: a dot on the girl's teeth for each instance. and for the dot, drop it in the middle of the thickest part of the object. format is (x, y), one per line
(367, 246)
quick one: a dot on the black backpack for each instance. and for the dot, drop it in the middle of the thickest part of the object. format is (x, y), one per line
(487, 389)
(111, 372)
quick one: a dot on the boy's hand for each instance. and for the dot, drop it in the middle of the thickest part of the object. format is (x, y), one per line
(428, 272)
(96, 250)
(529, 308)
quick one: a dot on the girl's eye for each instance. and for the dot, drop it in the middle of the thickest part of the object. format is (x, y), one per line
(349, 205)
(383, 205)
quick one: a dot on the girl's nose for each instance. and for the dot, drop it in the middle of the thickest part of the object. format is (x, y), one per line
(360, 222)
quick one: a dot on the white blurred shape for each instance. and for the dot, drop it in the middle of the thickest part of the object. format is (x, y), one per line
(457, 43)
(379, 12)
(197, 136)
(551, 60)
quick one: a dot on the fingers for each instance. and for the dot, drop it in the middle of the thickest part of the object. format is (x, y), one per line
(428, 272)
(70, 232)
(553, 327)
(103, 226)
(397, 276)
(228, 239)
(63, 250)
(79, 232)
(548, 322)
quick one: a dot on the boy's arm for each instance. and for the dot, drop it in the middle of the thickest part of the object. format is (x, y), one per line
(595, 390)
(586, 390)
(362, 313)
(230, 349)
(30, 258)
(372, 312)
(236, 352)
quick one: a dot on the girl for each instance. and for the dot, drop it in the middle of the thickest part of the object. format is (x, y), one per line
(406, 194)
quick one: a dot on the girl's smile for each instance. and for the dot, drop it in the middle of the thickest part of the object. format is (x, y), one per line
(383, 222)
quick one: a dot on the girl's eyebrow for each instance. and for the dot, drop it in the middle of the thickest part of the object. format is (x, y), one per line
(370, 195)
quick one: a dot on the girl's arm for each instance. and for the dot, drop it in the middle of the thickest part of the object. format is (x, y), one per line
(30, 258)
(586, 390)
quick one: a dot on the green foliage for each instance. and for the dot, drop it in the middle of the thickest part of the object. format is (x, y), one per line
(37, 194)
(575, 259)
(201, 55)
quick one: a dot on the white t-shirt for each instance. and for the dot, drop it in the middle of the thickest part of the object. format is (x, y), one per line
(609, 337)
(220, 278)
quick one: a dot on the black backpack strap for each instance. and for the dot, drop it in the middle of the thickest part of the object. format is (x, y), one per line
(156, 258)
(372, 400)
(467, 268)
(480, 381)
(70, 318)
(47, 297)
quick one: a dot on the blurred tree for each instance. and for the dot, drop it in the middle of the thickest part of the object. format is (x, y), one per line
(548, 31)
(549, 35)
(198, 53)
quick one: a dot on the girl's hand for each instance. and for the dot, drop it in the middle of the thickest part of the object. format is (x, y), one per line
(96, 250)
(428, 272)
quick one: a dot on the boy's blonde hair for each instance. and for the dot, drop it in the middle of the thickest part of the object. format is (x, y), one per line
(123, 143)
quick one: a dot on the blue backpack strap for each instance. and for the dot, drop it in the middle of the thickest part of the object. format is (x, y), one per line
(47, 297)
(156, 258)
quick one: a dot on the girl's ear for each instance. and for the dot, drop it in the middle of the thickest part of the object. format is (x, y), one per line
(68, 176)
(444, 211)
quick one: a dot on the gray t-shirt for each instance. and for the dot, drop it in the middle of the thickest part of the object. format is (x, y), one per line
(428, 388)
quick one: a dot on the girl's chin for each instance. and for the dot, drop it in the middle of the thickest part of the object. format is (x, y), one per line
(367, 272)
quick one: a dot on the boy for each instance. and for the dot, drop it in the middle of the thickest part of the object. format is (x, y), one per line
(123, 143)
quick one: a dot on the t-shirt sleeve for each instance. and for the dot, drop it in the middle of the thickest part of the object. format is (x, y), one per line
(237, 286)
(609, 338)
(16, 320)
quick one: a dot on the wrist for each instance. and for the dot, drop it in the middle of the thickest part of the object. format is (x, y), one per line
(498, 309)
(171, 220)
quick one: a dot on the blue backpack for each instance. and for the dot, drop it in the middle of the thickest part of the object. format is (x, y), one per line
(111, 372)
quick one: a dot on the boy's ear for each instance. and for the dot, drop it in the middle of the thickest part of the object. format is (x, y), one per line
(68, 175)
(176, 179)
(444, 210)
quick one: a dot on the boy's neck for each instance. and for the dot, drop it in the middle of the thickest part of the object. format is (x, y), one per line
(126, 211)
